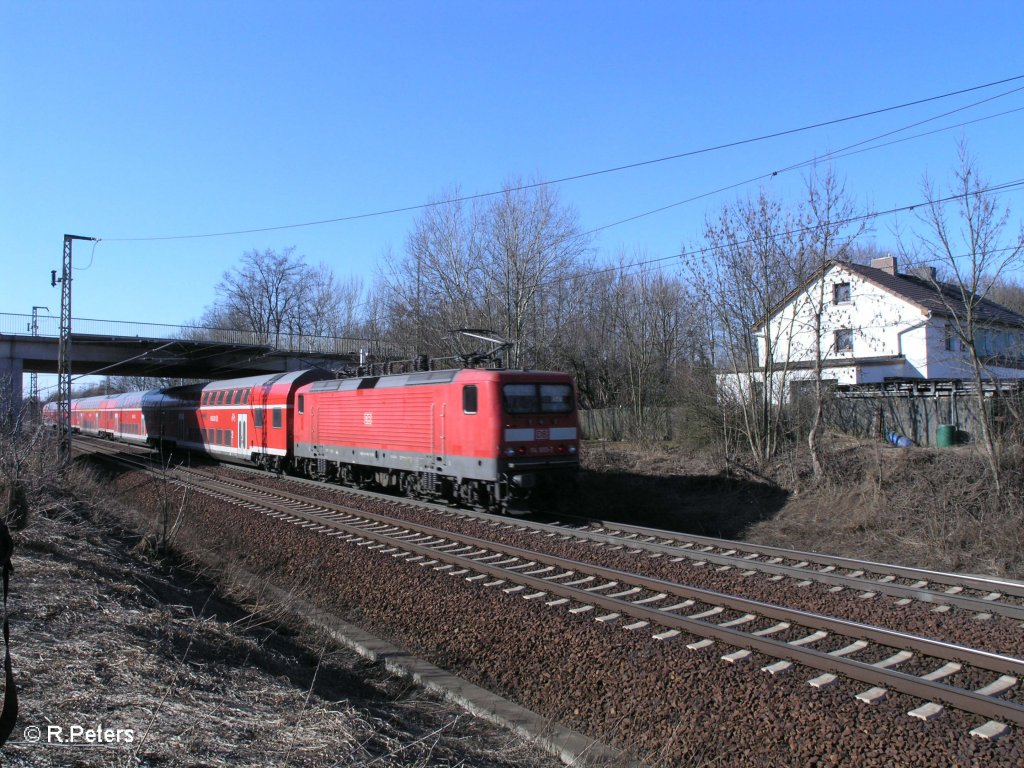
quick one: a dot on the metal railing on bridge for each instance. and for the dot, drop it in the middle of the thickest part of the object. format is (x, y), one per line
(49, 326)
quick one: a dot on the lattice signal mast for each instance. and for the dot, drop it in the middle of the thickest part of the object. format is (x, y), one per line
(33, 378)
(64, 359)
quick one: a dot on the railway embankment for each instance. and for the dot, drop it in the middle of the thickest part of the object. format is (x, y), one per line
(664, 703)
(925, 507)
(126, 656)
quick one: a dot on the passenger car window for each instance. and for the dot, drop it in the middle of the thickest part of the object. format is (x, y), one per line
(276, 418)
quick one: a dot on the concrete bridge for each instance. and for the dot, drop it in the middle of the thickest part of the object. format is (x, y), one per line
(115, 348)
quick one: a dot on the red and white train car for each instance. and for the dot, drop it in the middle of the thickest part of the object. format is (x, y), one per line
(116, 416)
(490, 438)
(244, 420)
(247, 420)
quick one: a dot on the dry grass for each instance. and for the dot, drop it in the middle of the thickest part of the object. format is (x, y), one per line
(932, 508)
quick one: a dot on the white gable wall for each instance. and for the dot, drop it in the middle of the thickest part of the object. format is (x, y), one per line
(882, 325)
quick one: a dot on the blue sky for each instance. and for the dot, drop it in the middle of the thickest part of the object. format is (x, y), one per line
(141, 119)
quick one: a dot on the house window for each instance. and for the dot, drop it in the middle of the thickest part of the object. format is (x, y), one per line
(841, 293)
(844, 340)
(948, 338)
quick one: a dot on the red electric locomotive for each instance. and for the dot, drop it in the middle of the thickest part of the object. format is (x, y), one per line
(496, 439)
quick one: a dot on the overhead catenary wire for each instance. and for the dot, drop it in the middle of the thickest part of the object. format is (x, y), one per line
(846, 151)
(576, 177)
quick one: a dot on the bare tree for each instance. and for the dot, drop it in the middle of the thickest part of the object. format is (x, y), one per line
(649, 331)
(752, 260)
(262, 295)
(966, 232)
(585, 344)
(827, 237)
(532, 243)
(1009, 293)
(502, 266)
(277, 295)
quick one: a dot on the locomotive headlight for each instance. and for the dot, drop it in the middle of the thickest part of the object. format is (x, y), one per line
(510, 451)
(572, 449)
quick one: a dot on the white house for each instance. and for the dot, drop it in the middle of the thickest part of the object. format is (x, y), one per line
(878, 325)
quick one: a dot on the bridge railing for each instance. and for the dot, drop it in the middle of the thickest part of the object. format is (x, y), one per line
(49, 326)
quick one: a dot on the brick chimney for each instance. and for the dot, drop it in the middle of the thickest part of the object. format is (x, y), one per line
(886, 264)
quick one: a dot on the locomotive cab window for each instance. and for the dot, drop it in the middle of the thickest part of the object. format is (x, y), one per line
(537, 398)
(276, 418)
(555, 398)
(520, 398)
(469, 403)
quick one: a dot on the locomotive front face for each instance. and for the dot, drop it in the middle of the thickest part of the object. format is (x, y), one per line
(540, 424)
(539, 451)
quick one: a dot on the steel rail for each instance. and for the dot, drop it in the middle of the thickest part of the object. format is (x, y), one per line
(918, 594)
(856, 583)
(980, 583)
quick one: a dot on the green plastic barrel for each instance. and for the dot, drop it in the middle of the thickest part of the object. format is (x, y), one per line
(945, 435)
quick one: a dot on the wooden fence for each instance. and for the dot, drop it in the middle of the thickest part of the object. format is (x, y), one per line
(915, 412)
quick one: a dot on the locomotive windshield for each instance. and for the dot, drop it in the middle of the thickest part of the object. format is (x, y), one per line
(537, 398)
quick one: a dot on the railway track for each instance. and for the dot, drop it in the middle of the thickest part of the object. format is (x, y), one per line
(981, 595)
(935, 673)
